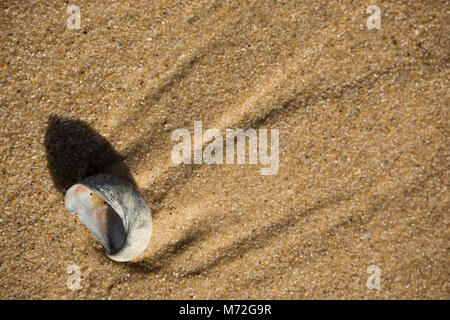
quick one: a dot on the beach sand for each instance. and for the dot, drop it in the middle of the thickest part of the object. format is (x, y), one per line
(363, 137)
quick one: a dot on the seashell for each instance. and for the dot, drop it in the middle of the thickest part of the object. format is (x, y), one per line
(115, 212)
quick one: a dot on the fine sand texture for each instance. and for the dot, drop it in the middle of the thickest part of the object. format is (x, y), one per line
(363, 120)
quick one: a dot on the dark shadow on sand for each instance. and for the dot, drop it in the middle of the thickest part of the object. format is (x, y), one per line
(75, 151)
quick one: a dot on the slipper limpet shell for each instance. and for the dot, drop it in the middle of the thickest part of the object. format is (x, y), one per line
(115, 212)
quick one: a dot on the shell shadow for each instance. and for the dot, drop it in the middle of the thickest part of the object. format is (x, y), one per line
(75, 151)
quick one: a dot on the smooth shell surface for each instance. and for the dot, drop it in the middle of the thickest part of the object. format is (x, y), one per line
(134, 228)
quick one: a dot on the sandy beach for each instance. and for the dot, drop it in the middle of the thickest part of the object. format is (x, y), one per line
(363, 122)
